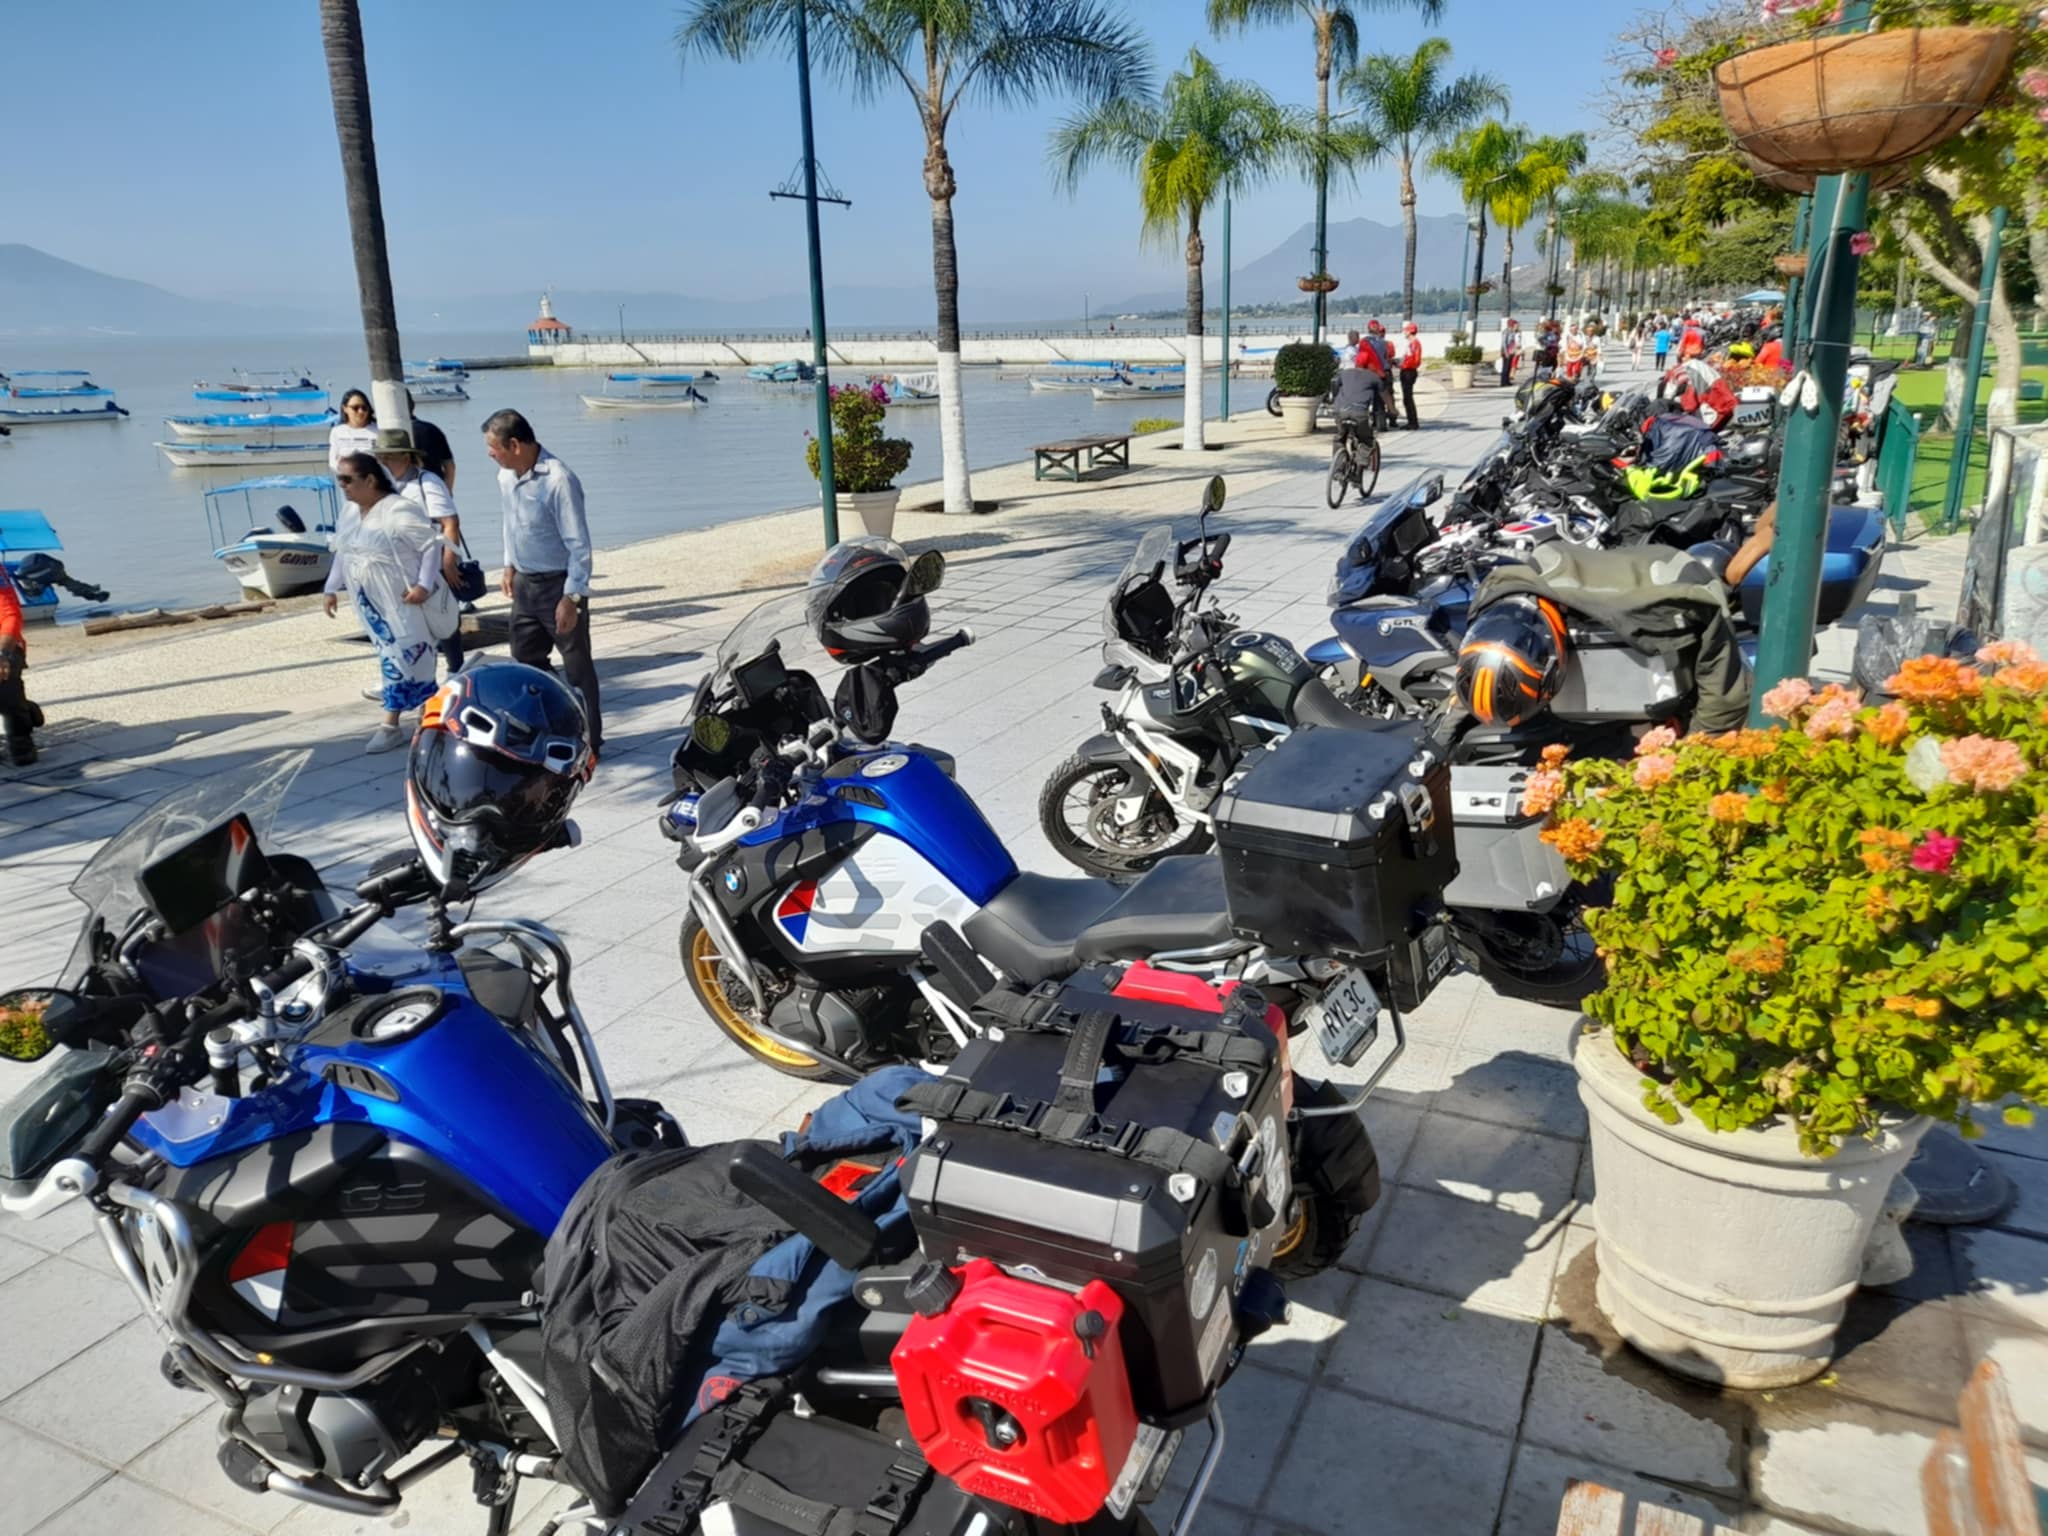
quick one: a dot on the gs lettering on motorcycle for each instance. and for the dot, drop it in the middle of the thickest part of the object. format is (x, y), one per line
(880, 900)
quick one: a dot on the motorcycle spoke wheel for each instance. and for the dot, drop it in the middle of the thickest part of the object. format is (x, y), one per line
(1077, 812)
(711, 980)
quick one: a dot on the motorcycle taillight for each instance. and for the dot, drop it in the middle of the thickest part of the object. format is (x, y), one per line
(1017, 1391)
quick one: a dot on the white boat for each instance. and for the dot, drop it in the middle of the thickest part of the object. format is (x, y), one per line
(255, 427)
(1076, 377)
(437, 367)
(56, 404)
(1133, 389)
(686, 402)
(263, 384)
(654, 382)
(911, 388)
(276, 561)
(238, 455)
(436, 387)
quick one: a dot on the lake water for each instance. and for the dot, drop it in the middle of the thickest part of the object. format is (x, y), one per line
(136, 526)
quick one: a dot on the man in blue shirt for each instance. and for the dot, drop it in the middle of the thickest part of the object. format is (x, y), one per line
(547, 558)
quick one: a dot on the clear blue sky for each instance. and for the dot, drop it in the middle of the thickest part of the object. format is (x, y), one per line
(524, 144)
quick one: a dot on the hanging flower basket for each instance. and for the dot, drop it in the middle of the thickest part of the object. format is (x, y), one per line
(1790, 264)
(1476, 289)
(1554, 290)
(1882, 180)
(1322, 284)
(1825, 106)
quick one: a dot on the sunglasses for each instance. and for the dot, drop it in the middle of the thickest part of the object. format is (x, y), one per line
(346, 479)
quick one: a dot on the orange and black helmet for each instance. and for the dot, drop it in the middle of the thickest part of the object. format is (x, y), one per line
(1512, 660)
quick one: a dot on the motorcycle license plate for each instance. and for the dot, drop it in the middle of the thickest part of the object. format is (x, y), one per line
(1347, 1018)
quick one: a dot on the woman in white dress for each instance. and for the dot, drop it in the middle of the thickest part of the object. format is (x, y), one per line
(357, 432)
(387, 556)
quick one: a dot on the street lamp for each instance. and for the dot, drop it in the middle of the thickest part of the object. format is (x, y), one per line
(1471, 229)
(1322, 265)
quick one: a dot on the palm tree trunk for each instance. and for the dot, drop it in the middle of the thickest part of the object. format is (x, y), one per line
(1191, 440)
(940, 186)
(1550, 242)
(1322, 300)
(1478, 270)
(348, 82)
(1408, 227)
(1507, 273)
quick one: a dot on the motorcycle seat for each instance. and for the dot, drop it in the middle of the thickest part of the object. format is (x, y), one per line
(1041, 926)
(1316, 705)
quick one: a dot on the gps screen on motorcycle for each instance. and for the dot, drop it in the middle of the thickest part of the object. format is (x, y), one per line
(197, 879)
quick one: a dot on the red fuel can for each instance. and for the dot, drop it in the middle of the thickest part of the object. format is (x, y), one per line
(1017, 1392)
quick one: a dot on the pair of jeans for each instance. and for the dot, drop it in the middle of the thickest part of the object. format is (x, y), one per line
(535, 596)
(1408, 398)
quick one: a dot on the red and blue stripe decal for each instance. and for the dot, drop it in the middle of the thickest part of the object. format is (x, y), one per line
(794, 910)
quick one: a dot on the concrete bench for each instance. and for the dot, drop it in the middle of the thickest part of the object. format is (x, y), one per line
(1062, 461)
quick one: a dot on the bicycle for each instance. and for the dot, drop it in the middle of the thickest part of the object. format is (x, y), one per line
(1352, 462)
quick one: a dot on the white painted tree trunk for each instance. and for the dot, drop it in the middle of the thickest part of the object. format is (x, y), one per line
(387, 399)
(1191, 440)
(953, 438)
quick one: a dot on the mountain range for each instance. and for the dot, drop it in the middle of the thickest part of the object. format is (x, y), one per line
(45, 295)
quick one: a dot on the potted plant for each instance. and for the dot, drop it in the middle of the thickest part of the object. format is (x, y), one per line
(1554, 290)
(865, 464)
(1302, 372)
(1821, 105)
(1317, 282)
(1820, 939)
(1463, 357)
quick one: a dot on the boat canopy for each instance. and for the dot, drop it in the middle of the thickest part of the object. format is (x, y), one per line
(652, 378)
(22, 531)
(78, 392)
(261, 392)
(48, 373)
(277, 483)
(260, 419)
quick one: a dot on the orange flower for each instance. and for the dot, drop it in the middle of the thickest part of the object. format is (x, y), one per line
(1655, 769)
(1928, 1008)
(1776, 792)
(1659, 738)
(2023, 677)
(1748, 745)
(1878, 862)
(1934, 679)
(1544, 789)
(1983, 763)
(1575, 840)
(1555, 754)
(1834, 717)
(1877, 901)
(1760, 957)
(1732, 806)
(2006, 653)
(1889, 724)
(1902, 1004)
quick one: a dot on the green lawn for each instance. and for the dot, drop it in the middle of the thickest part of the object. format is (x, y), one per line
(1920, 392)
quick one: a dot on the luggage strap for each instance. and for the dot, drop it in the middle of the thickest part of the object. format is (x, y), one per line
(716, 1473)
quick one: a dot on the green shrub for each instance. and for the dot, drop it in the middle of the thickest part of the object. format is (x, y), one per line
(1840, 919)
(1304, 368)
(862, 459)
(1145, 424)
(1464, 353)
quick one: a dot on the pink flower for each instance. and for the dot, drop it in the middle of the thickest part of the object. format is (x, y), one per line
(1835, 716)
(1788, 698)
(1544, 789)
(1936, 853)
(1658, 739)
(1655, 769)
(2035, 83)
(2006, 653)
(1770, 9)
(1666, 57)
(1862, 243)
(1983, 763)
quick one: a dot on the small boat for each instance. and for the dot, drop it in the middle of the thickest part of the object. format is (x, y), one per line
(56, 404)
(29, 533)
(688, 400)
(784, 373)
(1133, 389)
(279, 561)
(446, 367)
(652, 381)
(910, 388)
(271, 384)
(219, 455)
(1073, 382)
(255, 427)
(251, 396)
(436, 387)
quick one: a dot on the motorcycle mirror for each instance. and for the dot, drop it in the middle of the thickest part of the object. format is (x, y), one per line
(926, 572)
(28, 1032)
(1212, 495)
(711, 732)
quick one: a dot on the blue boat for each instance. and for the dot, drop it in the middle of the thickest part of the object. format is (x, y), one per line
(276, 561)
(23, 533)
(1077, 377)
(296, 392)
(43, 405)
(664, 380)
(784, 373)
(263, 384)
(256, 426)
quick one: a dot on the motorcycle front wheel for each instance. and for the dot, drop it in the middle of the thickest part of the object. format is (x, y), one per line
(1076, 811)
(724, 997)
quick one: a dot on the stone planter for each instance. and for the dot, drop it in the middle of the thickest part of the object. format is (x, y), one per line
(1857, 101)
(1726, 1256)
(1298, 414)
(1461, 375)
(877, 509)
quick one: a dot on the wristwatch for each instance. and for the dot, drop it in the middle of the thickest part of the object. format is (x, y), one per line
(581, 600)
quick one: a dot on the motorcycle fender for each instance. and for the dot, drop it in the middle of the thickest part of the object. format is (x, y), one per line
(1329, 652)
(1104, 748)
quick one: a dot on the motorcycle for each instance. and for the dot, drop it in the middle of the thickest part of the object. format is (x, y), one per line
(280, 1142)
(836, 875)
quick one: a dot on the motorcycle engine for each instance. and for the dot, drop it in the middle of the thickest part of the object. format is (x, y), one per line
(352, 1439)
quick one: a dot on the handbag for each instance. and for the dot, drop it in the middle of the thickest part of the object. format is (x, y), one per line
(469, 575)
(441, 611)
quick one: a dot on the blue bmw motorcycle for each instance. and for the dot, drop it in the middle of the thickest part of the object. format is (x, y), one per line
(329, 1177)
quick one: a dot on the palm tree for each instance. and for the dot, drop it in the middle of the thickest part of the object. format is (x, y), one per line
(1412, 108)
(1336, 29)
(1511, 200)
(348, 82)
(1004, 52)
(1477, 159)
(1589, 213)
(1562, 156)
(1204, 133)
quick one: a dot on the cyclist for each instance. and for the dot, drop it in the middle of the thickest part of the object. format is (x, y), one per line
(1361, 400)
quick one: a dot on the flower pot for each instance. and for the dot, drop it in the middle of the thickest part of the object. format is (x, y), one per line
(1461, 375)
(1298, 414)
(1316, 284)
(877, 509)
(1823, 106)
(1726, 1256)
(1790, 264)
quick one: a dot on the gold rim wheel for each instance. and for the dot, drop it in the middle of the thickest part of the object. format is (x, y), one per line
(707, 967)
(1297, 1229)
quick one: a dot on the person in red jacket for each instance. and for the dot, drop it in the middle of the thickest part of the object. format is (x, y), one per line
(1411, 364)
(1374, 353)
(17, 715)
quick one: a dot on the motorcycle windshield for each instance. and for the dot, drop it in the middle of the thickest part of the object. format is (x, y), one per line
(782, 622)
(107, 885)
(1154, 552)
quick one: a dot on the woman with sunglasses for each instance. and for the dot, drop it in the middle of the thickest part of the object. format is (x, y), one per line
(357, 432)
(387, 556)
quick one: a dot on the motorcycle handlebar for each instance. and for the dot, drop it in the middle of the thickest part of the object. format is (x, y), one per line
(134, 1103)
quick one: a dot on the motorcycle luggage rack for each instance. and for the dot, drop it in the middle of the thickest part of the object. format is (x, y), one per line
(536, 942)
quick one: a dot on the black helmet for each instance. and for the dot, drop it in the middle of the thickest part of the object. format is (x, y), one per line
(866, 598)
(1512, 660)
(500, 756)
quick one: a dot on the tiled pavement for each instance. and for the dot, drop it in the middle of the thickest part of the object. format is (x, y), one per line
(1446, 1379)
